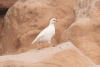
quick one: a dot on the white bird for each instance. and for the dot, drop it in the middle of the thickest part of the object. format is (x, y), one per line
(46, 34)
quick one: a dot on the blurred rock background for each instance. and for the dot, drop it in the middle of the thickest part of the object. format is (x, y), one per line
(78, 23)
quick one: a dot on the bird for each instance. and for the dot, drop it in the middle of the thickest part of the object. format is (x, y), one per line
(46, 34)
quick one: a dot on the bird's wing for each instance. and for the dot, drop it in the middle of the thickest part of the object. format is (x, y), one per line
(43, 33)
(37, 38)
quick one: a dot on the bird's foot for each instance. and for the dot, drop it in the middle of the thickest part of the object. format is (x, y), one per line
(52, 45)
(39, 48)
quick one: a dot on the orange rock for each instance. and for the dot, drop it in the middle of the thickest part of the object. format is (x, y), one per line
(23, 23)
(63, 55)
(84, 34)
(7, 3)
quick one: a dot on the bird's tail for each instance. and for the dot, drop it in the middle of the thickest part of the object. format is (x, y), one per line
(33, 41)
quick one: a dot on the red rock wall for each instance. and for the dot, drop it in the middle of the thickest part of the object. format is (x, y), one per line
(7, 3)
(84, 33)
(23, 23)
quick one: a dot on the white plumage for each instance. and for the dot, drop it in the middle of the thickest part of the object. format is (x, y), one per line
(46, 34)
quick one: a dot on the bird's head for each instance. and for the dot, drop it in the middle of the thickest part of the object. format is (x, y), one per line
(53, 20)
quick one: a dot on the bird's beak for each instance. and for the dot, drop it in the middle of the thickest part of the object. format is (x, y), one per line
(56, 21)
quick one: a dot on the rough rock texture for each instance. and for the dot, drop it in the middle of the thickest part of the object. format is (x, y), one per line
(96, 12)
(63, 55)
(84, 34)
(1, 26)
(23, 23)
(7, 3)
(1, 37)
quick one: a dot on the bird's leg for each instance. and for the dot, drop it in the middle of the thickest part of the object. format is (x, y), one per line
(50, 44)
(39, 46)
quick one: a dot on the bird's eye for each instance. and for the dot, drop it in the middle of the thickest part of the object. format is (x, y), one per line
(53, 20)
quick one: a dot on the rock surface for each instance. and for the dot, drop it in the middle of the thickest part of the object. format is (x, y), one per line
(23, 23)
(63, 55)
(7, 3)
(84, 34)
(79, 26)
